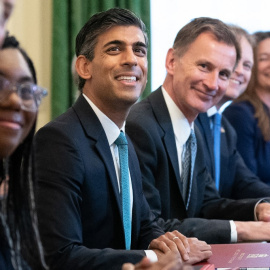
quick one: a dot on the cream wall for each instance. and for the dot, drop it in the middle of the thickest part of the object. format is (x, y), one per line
(31, 24)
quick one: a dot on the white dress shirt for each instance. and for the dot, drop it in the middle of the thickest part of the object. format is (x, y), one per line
(112, 132)
(181, 130)
(181, 126)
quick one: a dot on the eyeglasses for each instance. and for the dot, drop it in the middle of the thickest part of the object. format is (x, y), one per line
(30, 93)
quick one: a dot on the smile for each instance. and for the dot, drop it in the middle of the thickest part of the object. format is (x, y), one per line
(212, 94)
(236, 81)
(127, 78)
(10, 125)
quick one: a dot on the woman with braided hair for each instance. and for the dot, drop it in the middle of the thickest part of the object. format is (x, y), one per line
(20, 246)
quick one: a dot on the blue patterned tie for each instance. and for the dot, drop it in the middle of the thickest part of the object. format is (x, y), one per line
(216, 134)
(188, 161)
(122, 144)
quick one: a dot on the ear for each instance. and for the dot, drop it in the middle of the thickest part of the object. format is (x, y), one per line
(83, 67)
(170, 61)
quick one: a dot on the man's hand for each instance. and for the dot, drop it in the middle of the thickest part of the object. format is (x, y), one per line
(263, 212)
(171, 241)
(252, 231)
(170, 261)
(199, 251)
(191, 250)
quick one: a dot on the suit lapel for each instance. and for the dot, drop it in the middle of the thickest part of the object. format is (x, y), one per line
(204, 126)
(95, 131)
(134, 181)
(163, 118)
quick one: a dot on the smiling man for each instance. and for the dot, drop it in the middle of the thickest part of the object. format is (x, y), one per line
(176, 183)
(91, 208)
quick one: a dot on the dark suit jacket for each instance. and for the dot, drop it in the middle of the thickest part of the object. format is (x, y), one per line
(150, 128)
(78, 201)
(236, 180)
(250, 144)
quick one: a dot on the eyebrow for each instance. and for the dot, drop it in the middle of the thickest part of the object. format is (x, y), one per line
(119, 42)
(25, 79)
(22, 79)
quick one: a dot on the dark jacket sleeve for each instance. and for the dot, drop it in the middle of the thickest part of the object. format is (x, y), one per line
(162, 192)
(60, 175)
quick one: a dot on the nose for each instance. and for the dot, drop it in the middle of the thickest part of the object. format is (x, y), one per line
(129, 58)
(211, 81)
(239, 69)
(11, 100)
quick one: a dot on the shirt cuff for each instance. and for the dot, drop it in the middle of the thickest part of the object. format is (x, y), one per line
(151, 255)
(233, 232)
(260, 201)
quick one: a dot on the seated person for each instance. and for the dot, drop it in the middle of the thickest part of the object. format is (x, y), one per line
(91, 208)
(176, 183)
(249, 114)
(233, 178)
(20, 245)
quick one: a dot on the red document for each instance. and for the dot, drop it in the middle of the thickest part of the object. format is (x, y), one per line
(241, 256)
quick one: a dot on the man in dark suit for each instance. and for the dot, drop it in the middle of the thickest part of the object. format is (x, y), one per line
(80, 201)
(198, 69)
(236, 180)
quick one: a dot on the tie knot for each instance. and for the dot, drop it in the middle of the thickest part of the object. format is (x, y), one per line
(121, 140)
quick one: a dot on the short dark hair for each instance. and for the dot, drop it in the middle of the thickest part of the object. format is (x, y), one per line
(197, 26)
(99, 23)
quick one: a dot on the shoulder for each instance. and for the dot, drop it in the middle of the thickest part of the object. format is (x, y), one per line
(243, 106)
(65, 123)
(239, 110)
(143, 112)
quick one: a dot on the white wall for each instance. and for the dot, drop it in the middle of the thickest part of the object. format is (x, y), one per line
(168, 16)
(30, 23)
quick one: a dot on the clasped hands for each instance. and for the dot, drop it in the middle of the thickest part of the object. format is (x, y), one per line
(191, 250)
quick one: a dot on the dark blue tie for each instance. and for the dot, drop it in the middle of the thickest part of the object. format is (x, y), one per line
(188, 161)
(216, 134)
(122, 144)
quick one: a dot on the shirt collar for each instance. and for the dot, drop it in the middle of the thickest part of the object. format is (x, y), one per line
(180, 123)
(111, 129)
(213, 110)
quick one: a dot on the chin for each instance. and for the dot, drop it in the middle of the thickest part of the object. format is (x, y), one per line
(204, 107)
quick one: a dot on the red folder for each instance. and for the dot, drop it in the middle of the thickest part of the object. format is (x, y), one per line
(241, 256)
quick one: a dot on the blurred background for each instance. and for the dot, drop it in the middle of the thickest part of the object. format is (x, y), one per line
(47, 29)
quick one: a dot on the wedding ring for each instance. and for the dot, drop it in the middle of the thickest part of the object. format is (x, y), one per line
(175, 238)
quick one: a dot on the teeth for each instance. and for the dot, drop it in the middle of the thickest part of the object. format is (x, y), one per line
(127, 78)
(235, 81)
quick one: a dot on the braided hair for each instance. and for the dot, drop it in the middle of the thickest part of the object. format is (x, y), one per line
(18, 224)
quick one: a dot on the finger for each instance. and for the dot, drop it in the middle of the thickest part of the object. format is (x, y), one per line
(183, 238)
(174, 265)
(170, 261)
(175, 244)
(144, 263)
(128, 266)
(160, 245)
(181, 248)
